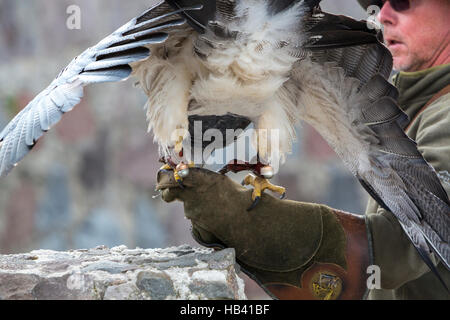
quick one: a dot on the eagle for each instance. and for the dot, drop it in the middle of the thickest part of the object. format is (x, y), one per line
(269, 63)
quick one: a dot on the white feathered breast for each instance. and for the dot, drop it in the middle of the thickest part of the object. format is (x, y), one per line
(241, 75)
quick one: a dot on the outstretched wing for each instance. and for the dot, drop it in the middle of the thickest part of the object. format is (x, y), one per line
(389, 165)
(107, 61)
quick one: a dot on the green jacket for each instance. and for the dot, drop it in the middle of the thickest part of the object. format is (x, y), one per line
(403, 273)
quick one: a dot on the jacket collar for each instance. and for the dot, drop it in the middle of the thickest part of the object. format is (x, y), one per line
(417, 88)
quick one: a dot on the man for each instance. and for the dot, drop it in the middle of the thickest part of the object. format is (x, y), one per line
(311, 251)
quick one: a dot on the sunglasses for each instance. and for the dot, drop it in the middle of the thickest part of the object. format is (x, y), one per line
(399, 5)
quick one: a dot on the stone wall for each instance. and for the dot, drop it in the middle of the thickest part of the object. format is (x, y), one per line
(120, 273)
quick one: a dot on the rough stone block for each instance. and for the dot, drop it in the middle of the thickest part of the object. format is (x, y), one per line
(121, 273)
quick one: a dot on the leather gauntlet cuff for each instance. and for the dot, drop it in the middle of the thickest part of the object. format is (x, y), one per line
(336, 269)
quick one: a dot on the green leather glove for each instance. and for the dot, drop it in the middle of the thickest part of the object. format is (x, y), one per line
(293, 250)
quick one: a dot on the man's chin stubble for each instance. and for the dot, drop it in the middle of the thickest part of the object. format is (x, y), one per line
(415, 64)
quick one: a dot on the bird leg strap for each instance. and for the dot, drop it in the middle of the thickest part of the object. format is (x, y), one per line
(293, 250)
(179, 170)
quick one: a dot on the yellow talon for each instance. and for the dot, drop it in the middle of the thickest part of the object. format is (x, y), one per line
(177, 176)
(181, 171)
(165, 167)
(260, 184)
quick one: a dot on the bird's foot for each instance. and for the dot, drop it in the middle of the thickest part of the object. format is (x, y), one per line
(180, 171)
(259, 185)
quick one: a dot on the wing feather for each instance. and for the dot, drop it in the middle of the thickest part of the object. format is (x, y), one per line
(108, 61)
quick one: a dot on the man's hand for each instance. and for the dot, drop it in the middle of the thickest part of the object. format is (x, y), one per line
(291, 249)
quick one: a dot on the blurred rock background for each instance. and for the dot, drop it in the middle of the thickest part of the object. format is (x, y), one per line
(90, 180)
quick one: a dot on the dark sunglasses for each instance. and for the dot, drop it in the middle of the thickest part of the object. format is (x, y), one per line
(399, 5)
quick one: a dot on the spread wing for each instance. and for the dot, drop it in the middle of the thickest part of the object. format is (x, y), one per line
(386, 162)
(108, 61)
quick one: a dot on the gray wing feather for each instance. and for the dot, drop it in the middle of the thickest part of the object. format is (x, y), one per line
(398, 178)
(108, 61)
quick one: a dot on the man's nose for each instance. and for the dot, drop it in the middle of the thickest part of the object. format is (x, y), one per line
(387, 15)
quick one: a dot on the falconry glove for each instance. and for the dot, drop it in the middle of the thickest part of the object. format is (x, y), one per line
(293, 250)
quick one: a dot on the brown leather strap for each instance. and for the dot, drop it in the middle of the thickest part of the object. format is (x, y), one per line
(441, 93)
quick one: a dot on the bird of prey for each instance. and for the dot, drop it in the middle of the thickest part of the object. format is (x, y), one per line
(270, 63)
